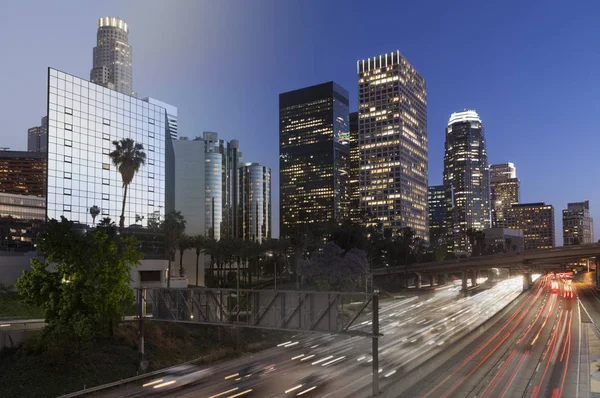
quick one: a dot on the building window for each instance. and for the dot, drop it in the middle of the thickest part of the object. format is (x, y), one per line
(150, 203)
(150, 161)
(106, 121)
(105, 196)
(106, 166)
(68, 159)
(66, 207)
(67, 175)
(151, 134)
(68, 111)
(151, 121)
(68, 143)
(106, 136)
(150, 189)
(150, 276)
(105, 181)
(105, 151)
(105, 212)
(68, 127)
(151, 175)
(67, 191)
(151, 148)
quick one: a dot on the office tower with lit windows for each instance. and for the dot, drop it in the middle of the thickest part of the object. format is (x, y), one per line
(354, 172)
(37, 137)
(23, 173)
(83, 121)
(578, 225)
(466, 179)
(393, 143)
(438, 232)
(112, 56)
(536, 220)
(314, 154)
(254, 212)
(504, 190)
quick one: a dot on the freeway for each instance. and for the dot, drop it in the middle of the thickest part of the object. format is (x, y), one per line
(539, 349)
(414, 330)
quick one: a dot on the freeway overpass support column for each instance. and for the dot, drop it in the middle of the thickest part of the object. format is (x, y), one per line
(527, 280)
(418, 281)
(441, 279)
(473, 278)
(598, 272)
(431, 280)
(464, 280)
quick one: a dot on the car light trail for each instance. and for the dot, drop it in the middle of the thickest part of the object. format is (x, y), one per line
(223, 393)
(239, 394)
(232, 376)
(333, 361)
(297, 356)
(293, 388)
(152, 383)
(168, 383)
(305, 391)
(308, 357)
(322, 360)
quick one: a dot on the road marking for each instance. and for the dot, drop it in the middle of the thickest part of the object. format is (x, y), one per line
(578, 362)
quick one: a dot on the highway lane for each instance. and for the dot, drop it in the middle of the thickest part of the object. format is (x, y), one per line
(533, 352)
(414, 329)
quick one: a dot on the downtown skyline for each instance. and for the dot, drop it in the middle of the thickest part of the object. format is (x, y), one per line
(512, 134)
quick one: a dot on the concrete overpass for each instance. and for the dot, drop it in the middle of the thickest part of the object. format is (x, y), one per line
(524, 262)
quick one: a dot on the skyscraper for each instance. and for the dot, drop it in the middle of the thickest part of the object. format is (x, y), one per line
(313, 156)
(504, 190)
(254, 202)
(536, 220)
(112, 56)
(393, 143)
(354, 171)
(37, 137)
(578, 225)
(438, 232)
(23, 173)
(83, 121)
(466, 179)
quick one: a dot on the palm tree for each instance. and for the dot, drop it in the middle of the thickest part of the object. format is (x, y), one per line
(94, 211)
(127, 157)
(183, 243)
(173, 227)
(198, 243)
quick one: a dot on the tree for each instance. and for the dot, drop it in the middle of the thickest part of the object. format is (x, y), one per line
(184, 243)
(198, 243)
(334, 269)
(94, 211)
(173, 227)
(108, 226)
(83, 283)
(127, 157)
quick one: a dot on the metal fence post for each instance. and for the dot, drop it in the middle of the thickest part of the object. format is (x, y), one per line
(375, 343)
(141, 323)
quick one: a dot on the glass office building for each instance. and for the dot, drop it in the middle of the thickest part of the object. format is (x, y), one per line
(504, 190)
(23, 173)
(578, 224)
(255, 202)
(536, 220)
(83, 120)
(392, 108)
(354, 171)
(466, 179)
(314, 156)
(438, 232)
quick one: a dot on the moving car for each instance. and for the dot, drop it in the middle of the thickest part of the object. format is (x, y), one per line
(568, 292)
(177, 377)
(554, 287)
(307, 385)
(250, 377)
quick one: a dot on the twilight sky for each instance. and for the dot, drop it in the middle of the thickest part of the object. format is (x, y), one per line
(529, 68)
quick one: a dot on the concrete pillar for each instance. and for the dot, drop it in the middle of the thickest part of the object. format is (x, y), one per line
(598, 272)
(526, 280)
(464, 280)
(418, 281)
(431, 279)
(473, 278)
(441, 279)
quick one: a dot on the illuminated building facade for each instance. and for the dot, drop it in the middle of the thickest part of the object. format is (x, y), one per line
(37, 137)
(578, 225)
(314, 154)
(466, 179)
(393, 143)
(354, 171)
(438, 232)
(254, 202)
(504, 190)
(112, 56)
(536, 220)
(21, 218)
(23, 173)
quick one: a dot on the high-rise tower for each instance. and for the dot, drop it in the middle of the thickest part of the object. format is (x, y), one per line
(466, 179)
(393, 143)
(254, 212)
(504, 190)
(578, 225)
(112, 56)
(314, 155)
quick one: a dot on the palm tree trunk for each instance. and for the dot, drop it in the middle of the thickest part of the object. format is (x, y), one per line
(197, 261)
(122, 221)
